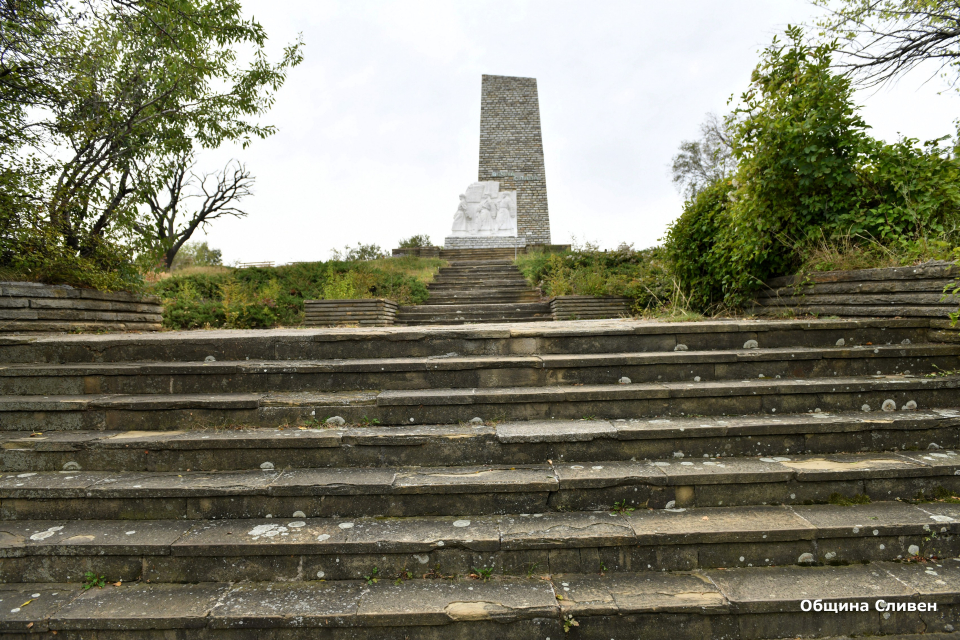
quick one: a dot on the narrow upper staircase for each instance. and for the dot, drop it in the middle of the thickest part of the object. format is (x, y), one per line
(575, 480)
(478, 286)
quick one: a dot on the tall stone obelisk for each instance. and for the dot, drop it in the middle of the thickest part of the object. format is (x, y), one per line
(511, 150)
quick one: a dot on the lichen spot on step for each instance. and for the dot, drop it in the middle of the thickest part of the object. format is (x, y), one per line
(469, 611)
(821, 464)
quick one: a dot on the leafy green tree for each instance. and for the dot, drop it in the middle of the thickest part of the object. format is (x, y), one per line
(362, 252)
(700, 163)
(416, 241)
(103, 90)
(153, 79)
(807, 170)
(887, 38)
(197, 254)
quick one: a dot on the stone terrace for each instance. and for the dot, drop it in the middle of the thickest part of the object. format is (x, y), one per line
(611, 478)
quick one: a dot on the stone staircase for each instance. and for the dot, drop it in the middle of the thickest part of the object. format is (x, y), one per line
(477, 287)
(598, 479)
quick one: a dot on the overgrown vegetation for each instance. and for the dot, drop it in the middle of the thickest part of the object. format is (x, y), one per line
(273, 296)
(789, 182)
(811, 189)
(642, 275)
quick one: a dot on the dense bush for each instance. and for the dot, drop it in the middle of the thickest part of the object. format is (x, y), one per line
(272, 296)
(640, 275)
(807, 171)
(414, 242)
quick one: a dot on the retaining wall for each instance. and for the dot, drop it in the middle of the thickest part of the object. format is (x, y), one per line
(905, 292)
(588, 307)
(32, 306)
(371, 312)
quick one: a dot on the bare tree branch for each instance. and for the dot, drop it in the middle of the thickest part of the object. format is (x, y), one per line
(174, 222)
(888, 38)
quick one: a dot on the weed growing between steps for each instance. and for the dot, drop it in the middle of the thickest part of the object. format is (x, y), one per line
(263, 297)
(937, 494)
(843, 501)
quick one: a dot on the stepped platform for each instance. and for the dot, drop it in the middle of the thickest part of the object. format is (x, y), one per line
(477, 288)
(587, 479)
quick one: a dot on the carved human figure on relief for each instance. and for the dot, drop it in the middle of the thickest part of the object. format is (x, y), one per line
(488, 215)
(505, 212)
(461, 218)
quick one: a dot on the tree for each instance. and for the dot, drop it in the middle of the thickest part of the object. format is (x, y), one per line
(361, 252)
(197, 254)
(98, 92)
(797, 140)
(887, 38)
(173, 222)
(700, 163)
(413, 242)
(148, 85)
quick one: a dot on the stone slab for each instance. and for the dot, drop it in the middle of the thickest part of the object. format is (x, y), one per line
(565, 530)
(437, 602)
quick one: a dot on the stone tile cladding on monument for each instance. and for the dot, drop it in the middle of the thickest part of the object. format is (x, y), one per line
(511, 150)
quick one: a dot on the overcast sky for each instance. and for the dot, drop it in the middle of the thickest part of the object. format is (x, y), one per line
(379, 126)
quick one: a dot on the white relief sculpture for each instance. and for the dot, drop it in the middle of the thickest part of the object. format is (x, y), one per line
(460, 219)
(485, 211)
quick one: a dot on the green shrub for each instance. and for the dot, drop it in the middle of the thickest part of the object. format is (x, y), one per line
(639, 275)
(37, 254)
(262, 297)
(808, 176)
(414, 242)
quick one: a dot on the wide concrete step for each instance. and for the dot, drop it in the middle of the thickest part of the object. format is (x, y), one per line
(456, 405)
(491, 295)
(464, 311)
(503, 256)
(484, 285)
(455, 371)
(476, 298)
(466, 284)
(320, 445)
(481, 490)
(289, 548)
(585, 336)
(752, 602)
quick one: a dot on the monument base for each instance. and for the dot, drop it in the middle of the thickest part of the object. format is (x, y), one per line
(484, 242)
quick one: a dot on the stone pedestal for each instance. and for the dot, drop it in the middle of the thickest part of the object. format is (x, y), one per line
(480, 242)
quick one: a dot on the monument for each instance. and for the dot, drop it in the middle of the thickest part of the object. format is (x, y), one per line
(507, 206)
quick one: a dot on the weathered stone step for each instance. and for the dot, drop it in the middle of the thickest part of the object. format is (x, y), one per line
(672, 398)
(487, 285)
(464, 311)
(502, 443)
(250, 376)
(486, 308)
(489, 489)
(592, 336)
(446, 406)
(749, 603)
(285, 548)
(480, 298)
